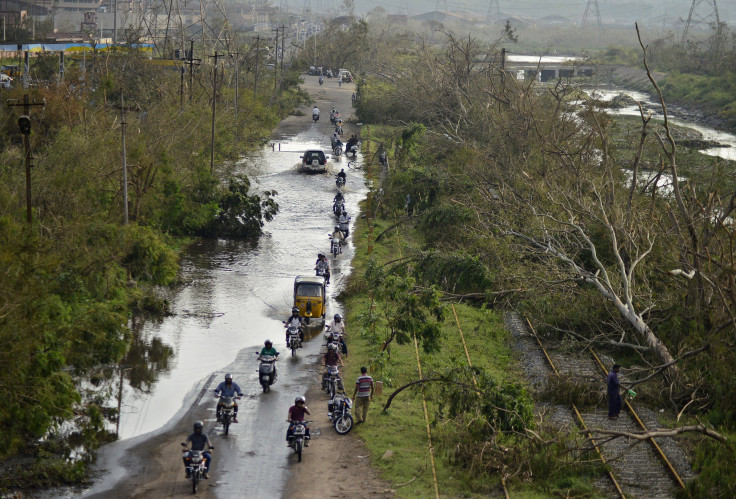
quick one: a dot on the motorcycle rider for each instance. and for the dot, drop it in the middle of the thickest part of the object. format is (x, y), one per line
(338, 234)
(321, 79)
(352, 141)
(296, 413)
(315, 113)
(323, 264)
(332, 115)
(268, 349)
(200, 441)
(337, 325)
(331, 358)
(344, 222)
(338, 203)
(228, 388)
(294, 321)
(343, 176)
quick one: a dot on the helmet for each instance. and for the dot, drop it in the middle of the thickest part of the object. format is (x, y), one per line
(295, 310)
(330, 346)
(338, 317)
(268, 343)
(300, 399)
(342, 170)
(198, 425)
(337, 227)
(228, 377)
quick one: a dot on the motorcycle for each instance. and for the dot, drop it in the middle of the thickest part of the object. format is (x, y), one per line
(338, 130)
(344, 228)
(353, 150)
(337, 149)
(315, 117)
(298, 437)
(226, 412)
(333, 119)
(267, 371)
(295, 341)
(338, 410)
(340, 182)
(332, 382)
(321, 80)
(335, 246)
(196, 466)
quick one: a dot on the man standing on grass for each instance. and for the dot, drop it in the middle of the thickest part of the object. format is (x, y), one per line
(614, 395)
(363, 395)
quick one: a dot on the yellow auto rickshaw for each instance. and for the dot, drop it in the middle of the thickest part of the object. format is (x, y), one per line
(309, 298)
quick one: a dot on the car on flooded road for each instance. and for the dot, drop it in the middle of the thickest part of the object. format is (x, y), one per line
(314, 161)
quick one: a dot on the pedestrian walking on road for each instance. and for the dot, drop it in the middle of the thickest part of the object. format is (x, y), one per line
(363, 395)
(614, 392)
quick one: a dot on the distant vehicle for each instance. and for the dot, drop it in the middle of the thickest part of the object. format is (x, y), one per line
(10, 70)
(314, 161)
(346, 76)
(6, 81)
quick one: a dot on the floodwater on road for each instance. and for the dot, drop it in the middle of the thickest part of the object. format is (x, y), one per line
(236, 295)
(238, 291)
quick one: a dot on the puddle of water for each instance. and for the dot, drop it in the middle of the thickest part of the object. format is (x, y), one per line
(238, 291)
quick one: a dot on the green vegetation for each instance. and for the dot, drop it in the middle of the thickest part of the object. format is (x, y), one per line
(72, 278)
(503, 196)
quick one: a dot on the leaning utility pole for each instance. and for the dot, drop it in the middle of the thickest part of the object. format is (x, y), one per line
(24, 124)
(214, 101)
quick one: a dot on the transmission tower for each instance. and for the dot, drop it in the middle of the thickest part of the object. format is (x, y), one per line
(701, 15)
(597, 14)
(494, 12)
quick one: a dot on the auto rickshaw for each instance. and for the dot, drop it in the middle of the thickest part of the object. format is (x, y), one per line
(309, 298)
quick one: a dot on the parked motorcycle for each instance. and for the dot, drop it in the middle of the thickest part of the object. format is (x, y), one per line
(338, 410)
(226, 412)
(196, 466)
(267, 371)
(298, 437)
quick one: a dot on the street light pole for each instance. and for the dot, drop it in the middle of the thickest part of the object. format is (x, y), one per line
(214, 101)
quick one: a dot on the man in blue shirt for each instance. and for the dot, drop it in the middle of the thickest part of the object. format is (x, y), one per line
(614, 393)
(228, 389)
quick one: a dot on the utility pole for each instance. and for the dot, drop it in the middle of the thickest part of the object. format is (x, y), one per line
(190, 60)
(283, 37)
(115, 23)
(61, 66)
(181, 88)
(125, 160)
(255, 86)
(276, 62)
(24, 124)
(214, 101)
(237, 77)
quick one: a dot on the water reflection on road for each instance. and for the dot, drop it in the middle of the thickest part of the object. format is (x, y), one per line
(237, 292)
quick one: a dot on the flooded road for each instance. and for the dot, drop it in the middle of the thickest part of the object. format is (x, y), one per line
(236, 296)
